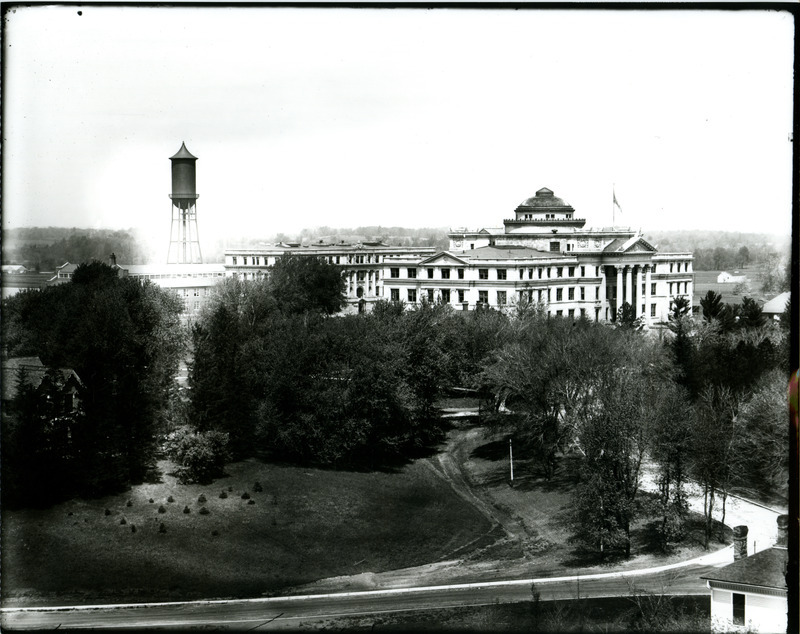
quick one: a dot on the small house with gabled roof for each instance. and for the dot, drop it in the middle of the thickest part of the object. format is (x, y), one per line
(751, 593)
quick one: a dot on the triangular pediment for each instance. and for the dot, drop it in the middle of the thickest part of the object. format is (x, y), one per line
(443, 258)
(640, 245)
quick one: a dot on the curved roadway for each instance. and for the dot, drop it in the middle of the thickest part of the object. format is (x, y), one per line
(294, 611)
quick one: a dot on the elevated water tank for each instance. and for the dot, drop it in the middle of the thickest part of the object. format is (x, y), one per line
(184, 180)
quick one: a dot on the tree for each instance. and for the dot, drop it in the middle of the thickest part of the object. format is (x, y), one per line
(680, 324)
(751, 315)
(222, 389)
(614, 442)
(773, 279)
(670, 446)
(712, 306)
(200, 456)
(626, 316)
(716, 450)
(302, 284)
(123, 338)
(743, 257)
(763, 419)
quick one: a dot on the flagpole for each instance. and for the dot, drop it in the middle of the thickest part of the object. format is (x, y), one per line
(613, 210)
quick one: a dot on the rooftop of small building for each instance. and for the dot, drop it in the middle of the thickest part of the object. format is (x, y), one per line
(766, 569)
(33, 372)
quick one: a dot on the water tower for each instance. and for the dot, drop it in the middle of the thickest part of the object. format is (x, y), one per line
(184, 244)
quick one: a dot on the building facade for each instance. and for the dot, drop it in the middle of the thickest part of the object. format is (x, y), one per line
(363, 264)
(545, 254)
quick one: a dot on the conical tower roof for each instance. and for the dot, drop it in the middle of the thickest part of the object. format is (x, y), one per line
(183, 153)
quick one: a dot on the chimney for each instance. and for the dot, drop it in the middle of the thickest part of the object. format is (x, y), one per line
(112, 259)
(783, 531)
(739, 542)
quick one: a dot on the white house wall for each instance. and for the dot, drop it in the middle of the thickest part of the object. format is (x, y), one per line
(762, 613)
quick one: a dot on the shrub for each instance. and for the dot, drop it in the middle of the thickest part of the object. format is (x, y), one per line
(123, 521)
(161, 509)
(108, 512)
(170, 499)
(215, 533)
(186, 509)
(245, 496)
(129, 503)
(204, 511)
(200, 456)
(230, 489)
(251, 501)
(133, 528)
(162, 528)
(223, 495)
(202, 499)
(151, 500)
(257, 488)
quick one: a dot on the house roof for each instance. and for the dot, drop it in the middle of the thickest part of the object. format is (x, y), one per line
(776, 305)
(34, 372)
(766, 569)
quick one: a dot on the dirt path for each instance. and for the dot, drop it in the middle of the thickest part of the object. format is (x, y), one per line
(510, 555)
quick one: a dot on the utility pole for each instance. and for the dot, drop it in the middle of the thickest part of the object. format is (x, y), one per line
(511, 460)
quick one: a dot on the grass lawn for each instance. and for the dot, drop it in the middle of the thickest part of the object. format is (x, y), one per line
(306, 524)
(538, 512)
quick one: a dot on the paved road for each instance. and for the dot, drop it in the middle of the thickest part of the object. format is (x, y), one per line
(293, 612)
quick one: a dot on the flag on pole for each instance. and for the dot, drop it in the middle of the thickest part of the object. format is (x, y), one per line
(616, 204)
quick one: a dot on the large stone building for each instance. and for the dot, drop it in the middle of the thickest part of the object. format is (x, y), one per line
(545, 254)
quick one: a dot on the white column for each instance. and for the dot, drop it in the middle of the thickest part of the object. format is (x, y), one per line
(602, 295)
(639, 295)
(629, 284)
(647, 298)
(620, 290)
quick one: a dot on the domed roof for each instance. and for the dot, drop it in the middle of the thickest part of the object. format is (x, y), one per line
(183, 153)
(544, 198)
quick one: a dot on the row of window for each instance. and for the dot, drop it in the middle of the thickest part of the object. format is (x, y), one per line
(361, 258)
(539, 295)
(194, 292)
(501, 274)
(483, 298)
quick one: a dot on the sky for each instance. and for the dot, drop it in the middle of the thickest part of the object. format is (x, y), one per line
(308, 117)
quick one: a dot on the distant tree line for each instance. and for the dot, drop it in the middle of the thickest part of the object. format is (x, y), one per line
(123, 339)
(44, 249)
